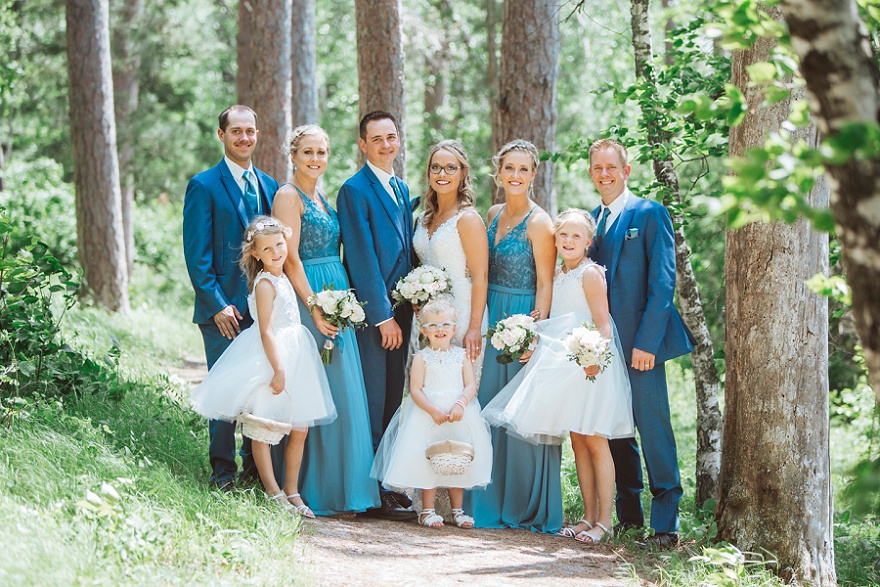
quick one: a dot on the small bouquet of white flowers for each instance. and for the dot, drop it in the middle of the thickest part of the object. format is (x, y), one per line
(420, 285)
(513, 336)
(587, 347)
(342, 309)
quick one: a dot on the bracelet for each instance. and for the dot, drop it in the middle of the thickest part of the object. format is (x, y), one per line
(467, 400)
(460, 403)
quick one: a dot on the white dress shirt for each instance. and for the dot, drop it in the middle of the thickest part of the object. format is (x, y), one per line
(385, 180)
(615, 207)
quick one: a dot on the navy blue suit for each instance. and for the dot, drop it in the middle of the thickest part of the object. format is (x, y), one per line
(377, 251)
(638, 251)
(215, 216)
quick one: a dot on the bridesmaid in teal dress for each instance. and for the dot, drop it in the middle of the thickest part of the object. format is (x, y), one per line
(526, 489)
(335, 472)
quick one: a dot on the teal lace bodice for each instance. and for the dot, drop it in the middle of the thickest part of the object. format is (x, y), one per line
(320, 230)
(511, 261)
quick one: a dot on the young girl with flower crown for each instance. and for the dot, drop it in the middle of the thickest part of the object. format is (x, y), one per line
(253, 381)
(554, 396)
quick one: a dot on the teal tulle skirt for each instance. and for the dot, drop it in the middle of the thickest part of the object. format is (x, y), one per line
(335, 473)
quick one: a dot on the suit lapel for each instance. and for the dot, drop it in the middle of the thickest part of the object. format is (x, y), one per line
(385, 202)
(234, 193)
(264, 193)
(615, 236)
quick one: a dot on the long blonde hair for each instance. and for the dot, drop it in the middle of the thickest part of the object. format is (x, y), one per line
(523, 146)
(259, 226)
(465, 189)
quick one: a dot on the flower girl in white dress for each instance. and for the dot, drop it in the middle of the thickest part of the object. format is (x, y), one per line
(442, 406)
(552, 396)
(270, 377)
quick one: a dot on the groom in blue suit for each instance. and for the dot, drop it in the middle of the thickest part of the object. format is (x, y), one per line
(218, 207)
(375, 218)
(635, 243)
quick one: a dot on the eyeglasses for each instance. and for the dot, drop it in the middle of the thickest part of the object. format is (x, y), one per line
(450, 168)
(435, 326)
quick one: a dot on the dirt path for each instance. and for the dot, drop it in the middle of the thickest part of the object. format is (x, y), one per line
(367, 552)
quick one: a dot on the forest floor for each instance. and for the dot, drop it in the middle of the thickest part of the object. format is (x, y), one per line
(368, 552)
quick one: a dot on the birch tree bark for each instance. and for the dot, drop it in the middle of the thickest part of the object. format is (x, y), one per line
(843, 86)
(270, 84)
(706, 379)
(775, 485)
(527, 84)
(304, 59)
(99, 234)
(380, 65)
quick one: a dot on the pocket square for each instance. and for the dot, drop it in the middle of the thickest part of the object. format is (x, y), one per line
(631, 234)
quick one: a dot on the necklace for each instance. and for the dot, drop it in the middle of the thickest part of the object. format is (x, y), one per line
(518, 218)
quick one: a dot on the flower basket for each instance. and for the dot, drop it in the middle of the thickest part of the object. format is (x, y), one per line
(449, 457)
(259, 428)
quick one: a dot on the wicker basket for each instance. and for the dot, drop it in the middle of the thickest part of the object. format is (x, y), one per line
(450, 457)
(262, 429)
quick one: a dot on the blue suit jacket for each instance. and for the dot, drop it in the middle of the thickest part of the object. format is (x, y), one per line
(376, 239)
(638, 251)
(215, 217)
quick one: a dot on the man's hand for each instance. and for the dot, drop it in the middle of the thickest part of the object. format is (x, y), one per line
(392, 335)
(642, 361)
(227, 321)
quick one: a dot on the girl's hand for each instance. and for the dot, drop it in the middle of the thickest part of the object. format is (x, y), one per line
(456, 413)
(439, 416)
(277, 383)
(592, 370)
(473, 343)
(324, 327)
(526, 356)
(535, 314)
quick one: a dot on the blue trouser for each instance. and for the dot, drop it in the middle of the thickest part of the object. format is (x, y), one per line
(221, 449)
(652, 418)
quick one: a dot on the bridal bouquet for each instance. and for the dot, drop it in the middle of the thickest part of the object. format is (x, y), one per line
(587, 347)
(341, 309)
(420, 285)
(513, 336)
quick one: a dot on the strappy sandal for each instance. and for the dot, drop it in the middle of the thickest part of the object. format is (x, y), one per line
(281, 500)
(569, 531)
(428, 517)
(303, 510)
(461, 519)
(589, 539)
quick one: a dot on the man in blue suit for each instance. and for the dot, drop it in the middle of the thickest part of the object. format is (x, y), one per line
(635, 243)
(218, 206)
(375, 218)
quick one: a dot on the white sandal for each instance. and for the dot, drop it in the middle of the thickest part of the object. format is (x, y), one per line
(303, 510)
(428, 517)
(570, 533)
(461, 519)
(589, 539)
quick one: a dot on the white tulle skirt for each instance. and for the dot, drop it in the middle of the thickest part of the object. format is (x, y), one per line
(238, 383)
(551, 396)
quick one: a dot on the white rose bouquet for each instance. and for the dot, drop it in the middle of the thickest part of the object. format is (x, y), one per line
(588, 348)
(513, 336)
(420, 285)
(342, 309)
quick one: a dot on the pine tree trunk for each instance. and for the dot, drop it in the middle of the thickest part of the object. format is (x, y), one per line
(100, 236)
(492, 69)
(843, 85)
(304, 94)
(380, 65)
(706, 379)
(245, 54)
(775, 486)
(437, 67)
(527, 83)
(270, 83)
(126, 59)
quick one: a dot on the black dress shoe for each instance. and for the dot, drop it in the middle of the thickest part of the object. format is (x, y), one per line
(402, 499)
(225, 485)
(390, 510)
(624, 527)
(661, 541)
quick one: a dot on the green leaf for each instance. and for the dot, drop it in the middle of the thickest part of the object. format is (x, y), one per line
(761, 72)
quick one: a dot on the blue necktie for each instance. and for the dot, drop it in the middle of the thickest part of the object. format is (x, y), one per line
(250, 193)
(600, 229)
(398, 193)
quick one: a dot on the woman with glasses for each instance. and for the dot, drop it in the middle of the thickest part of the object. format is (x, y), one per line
(525, 491)
(335, 473)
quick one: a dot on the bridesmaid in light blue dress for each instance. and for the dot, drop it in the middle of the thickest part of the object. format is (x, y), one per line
(526, 489)
(335, 473)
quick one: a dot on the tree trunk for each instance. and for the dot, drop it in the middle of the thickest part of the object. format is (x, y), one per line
(270, 84)
(244, 73)
(843, 85)
(492, 70)
(304, 94)
(100, 236)
(775, 487)
(527, 83)
(126, 59)
(380, 65)
(706, 379)
(437, 67)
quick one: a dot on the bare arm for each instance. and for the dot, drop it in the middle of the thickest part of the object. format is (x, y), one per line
(476, 251)
(468, 394)
(416, 382)
(264, 292)
(288, 208)
(540, 233)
